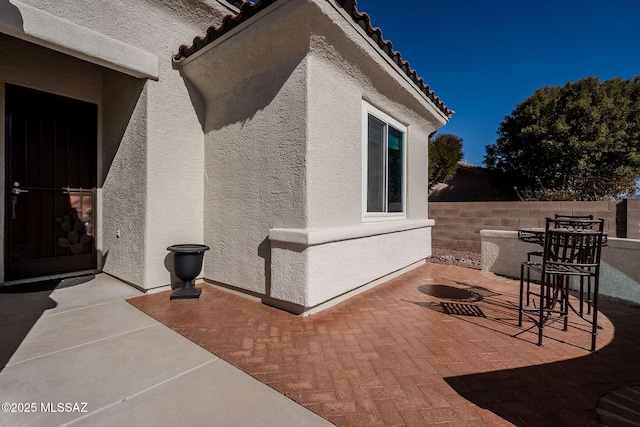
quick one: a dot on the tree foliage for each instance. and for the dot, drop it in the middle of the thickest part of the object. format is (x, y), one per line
(580, 141)
(445, 151)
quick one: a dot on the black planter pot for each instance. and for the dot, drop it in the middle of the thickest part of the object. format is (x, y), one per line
(187, 261)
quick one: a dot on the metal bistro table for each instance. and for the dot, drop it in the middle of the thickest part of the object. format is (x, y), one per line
(531, 235)
(536, 235)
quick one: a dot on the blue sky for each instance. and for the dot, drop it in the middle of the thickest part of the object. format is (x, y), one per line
(484, 57)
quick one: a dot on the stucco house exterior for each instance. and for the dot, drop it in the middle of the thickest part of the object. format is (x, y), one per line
(288, 136)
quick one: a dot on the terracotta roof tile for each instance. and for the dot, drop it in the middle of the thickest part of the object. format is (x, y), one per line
(364, 21)
(248, 9)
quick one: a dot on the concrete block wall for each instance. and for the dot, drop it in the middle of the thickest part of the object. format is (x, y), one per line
(458, 224)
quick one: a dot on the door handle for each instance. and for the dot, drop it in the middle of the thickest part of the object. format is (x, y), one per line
(18, 190)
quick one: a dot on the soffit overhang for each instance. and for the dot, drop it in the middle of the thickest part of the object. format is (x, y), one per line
(249, 12)
(36, 26)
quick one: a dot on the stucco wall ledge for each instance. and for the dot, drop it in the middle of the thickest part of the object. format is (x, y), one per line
(506, 234)
(502, 253)
(36, 26)
(313, 237)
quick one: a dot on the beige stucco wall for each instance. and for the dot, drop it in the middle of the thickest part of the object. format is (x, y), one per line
(227, 147)
(158, 201)
(123, 178)
(283, 155)
(254, 176)
(345, 68)
(150, 153)
(254, 146)
(334, 154)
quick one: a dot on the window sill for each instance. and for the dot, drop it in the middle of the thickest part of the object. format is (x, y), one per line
(372, 217)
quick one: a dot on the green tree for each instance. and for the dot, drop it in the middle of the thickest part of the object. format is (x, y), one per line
(445, 151)
(579, 142)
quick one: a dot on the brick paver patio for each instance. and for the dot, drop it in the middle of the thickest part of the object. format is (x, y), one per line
(439, 344)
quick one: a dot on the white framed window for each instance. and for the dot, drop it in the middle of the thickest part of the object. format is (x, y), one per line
(384, 165)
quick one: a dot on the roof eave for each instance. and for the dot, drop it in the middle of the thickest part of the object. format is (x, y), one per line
(248, 10)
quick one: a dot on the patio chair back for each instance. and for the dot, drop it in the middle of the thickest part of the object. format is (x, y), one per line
(572, 246)
(562, 216)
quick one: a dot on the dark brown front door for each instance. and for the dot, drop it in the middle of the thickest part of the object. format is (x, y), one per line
(51, 178)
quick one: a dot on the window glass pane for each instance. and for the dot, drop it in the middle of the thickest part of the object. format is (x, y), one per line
(395, 156)
(375, 165)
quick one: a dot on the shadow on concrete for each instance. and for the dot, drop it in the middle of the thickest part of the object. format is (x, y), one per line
(20, 308)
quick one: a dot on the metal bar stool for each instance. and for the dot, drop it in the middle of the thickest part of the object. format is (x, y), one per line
(538, 254)
(571, 249)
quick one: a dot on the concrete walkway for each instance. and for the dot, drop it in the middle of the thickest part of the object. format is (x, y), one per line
(82, 355)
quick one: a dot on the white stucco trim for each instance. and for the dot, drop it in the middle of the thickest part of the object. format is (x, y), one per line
(311, 275)
(36, 26)
(364, 288)
(329, 235)
(505, 234)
